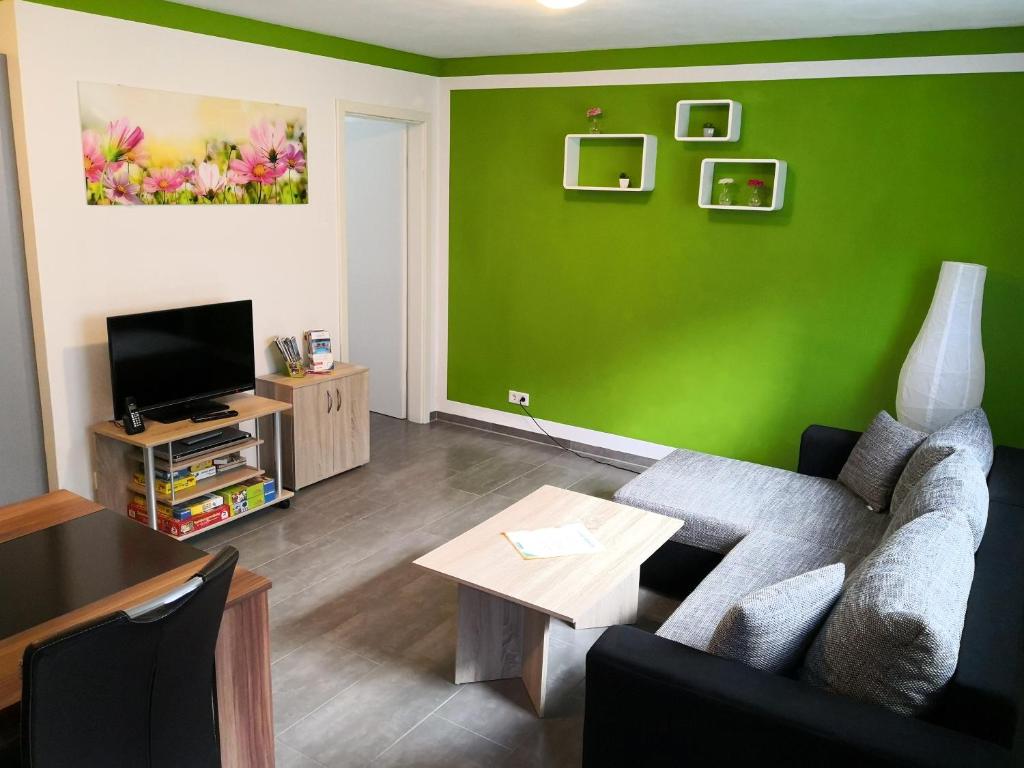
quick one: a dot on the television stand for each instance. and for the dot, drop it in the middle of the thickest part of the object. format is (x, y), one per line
(117, 457)
(173, 413)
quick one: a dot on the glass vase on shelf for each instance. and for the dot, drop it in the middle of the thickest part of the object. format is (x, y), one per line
(725, 191)
(754, 201)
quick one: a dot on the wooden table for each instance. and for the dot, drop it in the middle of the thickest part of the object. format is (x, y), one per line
(243, 647)
(506, 602)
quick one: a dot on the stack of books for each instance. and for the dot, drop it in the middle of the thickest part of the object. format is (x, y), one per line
(249, 495)
(180, 479)
(192, 516)
(232, 461)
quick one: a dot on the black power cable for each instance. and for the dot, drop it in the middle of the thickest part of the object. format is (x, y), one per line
(567, 448)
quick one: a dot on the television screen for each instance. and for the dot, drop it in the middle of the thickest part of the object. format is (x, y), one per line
(180, 356)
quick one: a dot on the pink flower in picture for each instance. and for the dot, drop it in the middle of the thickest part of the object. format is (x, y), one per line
(208, 180)
(123, 140)
(269, 140)
(167, 180)
(293, 158)
(92, 158)
(254, 166)
(119, 189)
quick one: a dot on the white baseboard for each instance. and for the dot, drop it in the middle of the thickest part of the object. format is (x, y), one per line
(605, 440)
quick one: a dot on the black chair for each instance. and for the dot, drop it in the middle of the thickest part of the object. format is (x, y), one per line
(135, 689)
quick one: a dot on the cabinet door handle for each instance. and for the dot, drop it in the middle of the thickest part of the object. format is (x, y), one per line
(337, 394)
(329, 403)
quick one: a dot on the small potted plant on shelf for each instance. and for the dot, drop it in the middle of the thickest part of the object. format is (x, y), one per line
(624, 180)
(755, 192)
(709, 130)
(725, 193)
(593, 115)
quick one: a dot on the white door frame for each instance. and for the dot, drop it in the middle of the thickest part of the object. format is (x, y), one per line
(419, 296)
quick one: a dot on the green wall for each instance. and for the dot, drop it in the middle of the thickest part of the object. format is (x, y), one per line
(944, 43)
(162, 13)
(724, 331)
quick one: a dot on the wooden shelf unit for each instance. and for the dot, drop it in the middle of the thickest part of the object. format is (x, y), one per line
(775, 192)
(209, 485)
(117, 456)
(281, 496)
(733, 111)
(647, 145)
(327, 432)
(207, 455)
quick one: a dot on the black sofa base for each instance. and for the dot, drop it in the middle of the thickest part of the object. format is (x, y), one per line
(653, 702)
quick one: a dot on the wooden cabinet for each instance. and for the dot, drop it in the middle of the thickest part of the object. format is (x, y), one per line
(328, 429)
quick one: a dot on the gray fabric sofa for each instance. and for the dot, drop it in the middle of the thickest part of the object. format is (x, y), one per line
(772, 524)
(665, 696)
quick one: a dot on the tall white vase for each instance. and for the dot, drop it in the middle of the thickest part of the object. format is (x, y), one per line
(944, 374)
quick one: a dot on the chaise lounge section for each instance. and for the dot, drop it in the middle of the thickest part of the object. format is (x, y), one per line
(666, 697)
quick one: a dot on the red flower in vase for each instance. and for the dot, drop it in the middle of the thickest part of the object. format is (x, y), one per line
(755, 183)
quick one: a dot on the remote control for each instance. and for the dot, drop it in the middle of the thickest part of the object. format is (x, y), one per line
(214, 416)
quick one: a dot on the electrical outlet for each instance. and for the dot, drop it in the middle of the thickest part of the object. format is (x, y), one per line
(519, 398)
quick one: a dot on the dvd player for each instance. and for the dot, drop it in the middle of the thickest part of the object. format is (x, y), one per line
(190, 446)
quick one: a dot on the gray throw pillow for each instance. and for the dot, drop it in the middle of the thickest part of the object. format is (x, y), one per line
(771, 627)
(968, 432)
(955, 483)
(894, 636)
(878, 459)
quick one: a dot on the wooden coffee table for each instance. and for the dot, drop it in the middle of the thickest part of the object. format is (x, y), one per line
(506, 603)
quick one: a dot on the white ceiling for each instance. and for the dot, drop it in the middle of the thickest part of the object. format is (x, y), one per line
(452, 28)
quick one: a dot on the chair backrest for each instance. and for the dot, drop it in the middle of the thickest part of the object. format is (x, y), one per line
(136, 688)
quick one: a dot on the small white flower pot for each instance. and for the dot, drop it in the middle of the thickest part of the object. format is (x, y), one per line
(709, 133)
(623, 183)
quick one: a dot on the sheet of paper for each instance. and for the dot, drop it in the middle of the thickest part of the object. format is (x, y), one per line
(571, 539)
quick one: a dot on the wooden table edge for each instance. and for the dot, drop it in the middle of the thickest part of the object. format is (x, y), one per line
(245, 585)
(53, 508)
(673, 522)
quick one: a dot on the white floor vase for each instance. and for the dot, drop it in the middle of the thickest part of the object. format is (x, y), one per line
(944, 373)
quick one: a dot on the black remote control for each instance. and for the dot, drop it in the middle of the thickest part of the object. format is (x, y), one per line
(213, 416)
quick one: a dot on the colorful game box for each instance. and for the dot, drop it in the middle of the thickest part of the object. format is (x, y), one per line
(180, 528)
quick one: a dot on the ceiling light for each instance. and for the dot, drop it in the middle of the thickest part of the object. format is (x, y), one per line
(560, 4)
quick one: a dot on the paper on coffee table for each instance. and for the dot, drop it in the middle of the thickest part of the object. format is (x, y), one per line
(571, 539)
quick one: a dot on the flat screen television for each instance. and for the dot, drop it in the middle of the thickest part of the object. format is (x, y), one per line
(173, 362)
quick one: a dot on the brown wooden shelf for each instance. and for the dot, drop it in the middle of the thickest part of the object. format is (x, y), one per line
(248, 406)
(214, 454)
(209, 485)
(340, 371)
(281, 496)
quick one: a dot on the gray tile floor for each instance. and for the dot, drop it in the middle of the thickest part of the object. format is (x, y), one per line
(363, 642)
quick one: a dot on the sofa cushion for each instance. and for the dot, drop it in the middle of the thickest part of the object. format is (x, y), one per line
(763, 558)
(722, 500)
(878, 459)
(968, 432)
(770, 628)
(894, 636)
(955, 483)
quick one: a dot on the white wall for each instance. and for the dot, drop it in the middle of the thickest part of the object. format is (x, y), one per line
(91, 262)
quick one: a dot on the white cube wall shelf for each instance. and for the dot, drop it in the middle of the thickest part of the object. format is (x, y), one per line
(683, 119)
(571, 170)
(707, 183)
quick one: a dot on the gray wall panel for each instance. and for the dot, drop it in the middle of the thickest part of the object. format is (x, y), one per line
(22, 461)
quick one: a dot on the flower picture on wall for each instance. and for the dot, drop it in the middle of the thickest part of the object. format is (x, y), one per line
(147, 147)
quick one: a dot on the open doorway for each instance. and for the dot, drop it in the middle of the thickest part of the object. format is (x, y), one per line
(385, 236)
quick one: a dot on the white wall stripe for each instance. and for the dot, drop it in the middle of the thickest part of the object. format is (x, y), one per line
(561, 431)
(803, 70)
(791, 70)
